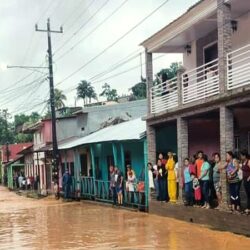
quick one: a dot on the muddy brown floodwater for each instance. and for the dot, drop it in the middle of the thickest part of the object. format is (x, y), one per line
(49, 224)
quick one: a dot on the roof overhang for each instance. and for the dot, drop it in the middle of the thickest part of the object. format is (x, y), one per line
(192, 25)
(197, 22)
(126, 131)
(32, 128)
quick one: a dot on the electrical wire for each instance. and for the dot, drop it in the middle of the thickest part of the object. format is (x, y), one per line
(93, 30)
(71, 13)
(125, 71)
(114, 43)
(45, 11)
(82, 26)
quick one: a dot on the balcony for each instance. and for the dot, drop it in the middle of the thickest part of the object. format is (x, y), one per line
(238, 68)
(202, 82)
(164, 96)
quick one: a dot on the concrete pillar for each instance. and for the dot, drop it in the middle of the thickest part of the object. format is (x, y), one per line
(149, 77)
(151, 138)
(182, 145)
(224, 40)
(226, 144)
(179, 85)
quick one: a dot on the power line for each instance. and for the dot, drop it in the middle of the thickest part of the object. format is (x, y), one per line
(45, 11)
(82, 26)
(93, 30)
(19, 95)
(32, 93)
(125, 71)
(118, 74)
(22, 87)
(114, 43)
(71, 13)
(114, 67)
(30, 108)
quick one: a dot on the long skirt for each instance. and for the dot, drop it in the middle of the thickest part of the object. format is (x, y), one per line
(172, 190)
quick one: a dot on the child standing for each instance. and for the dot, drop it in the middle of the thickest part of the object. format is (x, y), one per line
(188, 182)
(197, 191)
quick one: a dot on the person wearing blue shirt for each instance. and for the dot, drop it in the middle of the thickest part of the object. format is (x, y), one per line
(204, 179)
(188, 183)
(67, 182)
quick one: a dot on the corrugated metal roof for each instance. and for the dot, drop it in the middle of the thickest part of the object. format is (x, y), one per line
(131, 130)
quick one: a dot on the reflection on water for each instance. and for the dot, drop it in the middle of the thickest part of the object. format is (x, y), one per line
(27, 224)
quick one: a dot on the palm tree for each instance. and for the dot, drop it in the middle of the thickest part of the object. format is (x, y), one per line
(86, 92)
(59, 98)
(110, 94)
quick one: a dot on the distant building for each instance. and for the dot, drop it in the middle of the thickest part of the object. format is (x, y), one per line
(69, 128)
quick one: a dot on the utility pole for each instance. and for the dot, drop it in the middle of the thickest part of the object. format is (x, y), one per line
(55, 154)
(6, 116)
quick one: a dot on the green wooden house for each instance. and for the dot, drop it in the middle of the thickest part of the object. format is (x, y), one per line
(119, 145)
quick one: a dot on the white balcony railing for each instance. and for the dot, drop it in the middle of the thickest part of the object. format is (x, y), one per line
(164, 96)
(238, 68)
(201, 82)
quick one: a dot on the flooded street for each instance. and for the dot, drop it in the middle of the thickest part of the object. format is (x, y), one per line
(49, 224)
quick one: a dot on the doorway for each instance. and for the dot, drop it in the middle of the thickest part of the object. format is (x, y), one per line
(210, 52)
(84, 164)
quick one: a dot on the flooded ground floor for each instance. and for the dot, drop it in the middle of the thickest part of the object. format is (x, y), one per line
(49, 224)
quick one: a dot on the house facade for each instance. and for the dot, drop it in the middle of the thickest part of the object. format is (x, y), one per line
(10, 153)
(116, 145)
(69, 128)
(207, 106)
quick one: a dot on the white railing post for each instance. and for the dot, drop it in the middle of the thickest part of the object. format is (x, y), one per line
(238, 68)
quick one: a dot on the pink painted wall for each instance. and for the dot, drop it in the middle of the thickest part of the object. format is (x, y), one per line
(204, 135)
(46, 131)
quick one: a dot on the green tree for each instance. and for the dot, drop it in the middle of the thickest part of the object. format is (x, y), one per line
(19, 121)
(110, 94)
(86, 92)
(167, 73)
(6, 128)
(139, 90)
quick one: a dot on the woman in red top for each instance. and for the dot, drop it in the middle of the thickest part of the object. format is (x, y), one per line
(246, 176)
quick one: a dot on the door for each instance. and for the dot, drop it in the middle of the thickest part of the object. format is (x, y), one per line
(210, 53)
(48, 176)
(84, 164)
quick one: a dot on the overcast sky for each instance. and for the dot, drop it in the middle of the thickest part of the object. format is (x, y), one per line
(21, 45)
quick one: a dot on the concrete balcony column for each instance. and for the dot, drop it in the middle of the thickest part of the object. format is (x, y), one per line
(224, 40)
(151, 141)
(226, 144)
(182, 145)
(180, 72)
(149, 77)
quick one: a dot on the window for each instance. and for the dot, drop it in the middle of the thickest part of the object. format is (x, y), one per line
(98, 173)
(110, 161)
(127, 156)
(248, 141)
(237, 144)
(84, 164)
(71, 168)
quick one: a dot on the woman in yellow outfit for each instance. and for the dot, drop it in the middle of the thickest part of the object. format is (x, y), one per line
(172, 186)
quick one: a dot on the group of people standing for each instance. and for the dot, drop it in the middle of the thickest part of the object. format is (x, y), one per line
(201, 179)
(25, 182)
(116, 185)
(163, 177)
(129, 185)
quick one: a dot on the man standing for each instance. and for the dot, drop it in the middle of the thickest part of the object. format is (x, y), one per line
(67, 181)
(113, 183)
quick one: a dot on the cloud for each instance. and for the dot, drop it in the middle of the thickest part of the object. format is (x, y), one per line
(20, 44)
